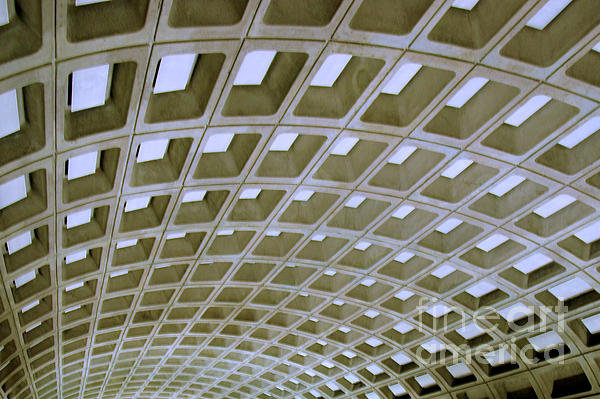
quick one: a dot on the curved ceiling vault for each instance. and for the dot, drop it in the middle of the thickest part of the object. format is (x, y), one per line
(299, 199)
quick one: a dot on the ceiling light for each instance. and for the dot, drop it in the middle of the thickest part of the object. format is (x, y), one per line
(372, 395)
(371, 314)
(329, 272)
(4, 14)
(596, 47)
(532, 263)
(25, 278)
(254, 67)
(175, 235)
(589, 234)
(333, 386)
(456, 168)
(33, 326)
(465, 93)
(492, 242)
(193, 196)
(79, 218)
(30, 306)
(403, 211)
(470, 331)
(118, 273)
(373, 342)
(506, 185)
(425, 381)
(443, 271)
(401, 359)
(86, 2)
(327, 364)
(250, 193)
(74, 286)
(498, 357)
(374, 369)
(459, 370)
(397, 390)
(82, 165)
(11, 111)
(449, 225)
(438, 310)
(152, 150)
(403, 327)
(480, 289)
(362, 246)
(368, 282)
(570, 289)
(592, 323)
(344, 146)
(464, 4)
(126, 243)
(225, 232)
(90, 87)
(515, 312)
(401, 78)
(525, 111)
(351, 378)
(318, 237)
(404, 256)
(274, 233)
(584, 131)
(218, 143)
(557, 203)
(19, 242)
(174, 72)
(338, 302)
(135, 204)
(283, 141)
(402, 154)
(347, 353)
(354, 201)
(303, 195)
(13, 191)
(547, 13)
(403, 295)
(545, 341)
(75, 256)
(330, 70)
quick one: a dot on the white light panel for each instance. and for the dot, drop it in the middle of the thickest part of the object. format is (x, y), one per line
(438, 310)
(570, 289)
(403, 295)
(526, 110)
(401, 359)
(403, 327)
(333, 386)
(401, 78)
(443, 271)
(589, 234)
(175, 235)
(464, 94)
(344, 146)
(545, 341)
(480, 289)
(225, 232)
(425, 381)
(354, 201)
(4, 14)
(368, 282)
(349, 354)
(118, 273)
(152, 150)
(275, 233)
(557, 203)
(13, 191)
(25, 278)
(134, 204)
(459, 370)
(547, 13)
(74, 286)
(11, 111)
(86, 2)
(318, 237)
(592, 323)
(492, 242)
(218, 143)
(75, 256)
(372, 395)
(33, 326)
(351, 378)
(250, 193)
(19, 242)
(596, 47)
(456, 168)
(373, 342)
(449, 225)
(283, 141)
(193, 196)
(254, 67)
(402, 154)
(465, 4)
(126, 243)
(330, 70)
(532, 263)
(397, 389)
(303, 195)
(82, 165)
(174, 72)
(30, 306)
(584, 131)
(374, 369)
(498, 357)
(507, 184)
(90, 87)
(403, 211)
(79, 218)
(470, 331)
(515, 312)
(404, 256)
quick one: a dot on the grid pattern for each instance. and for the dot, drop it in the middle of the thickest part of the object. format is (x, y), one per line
(284, 239)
